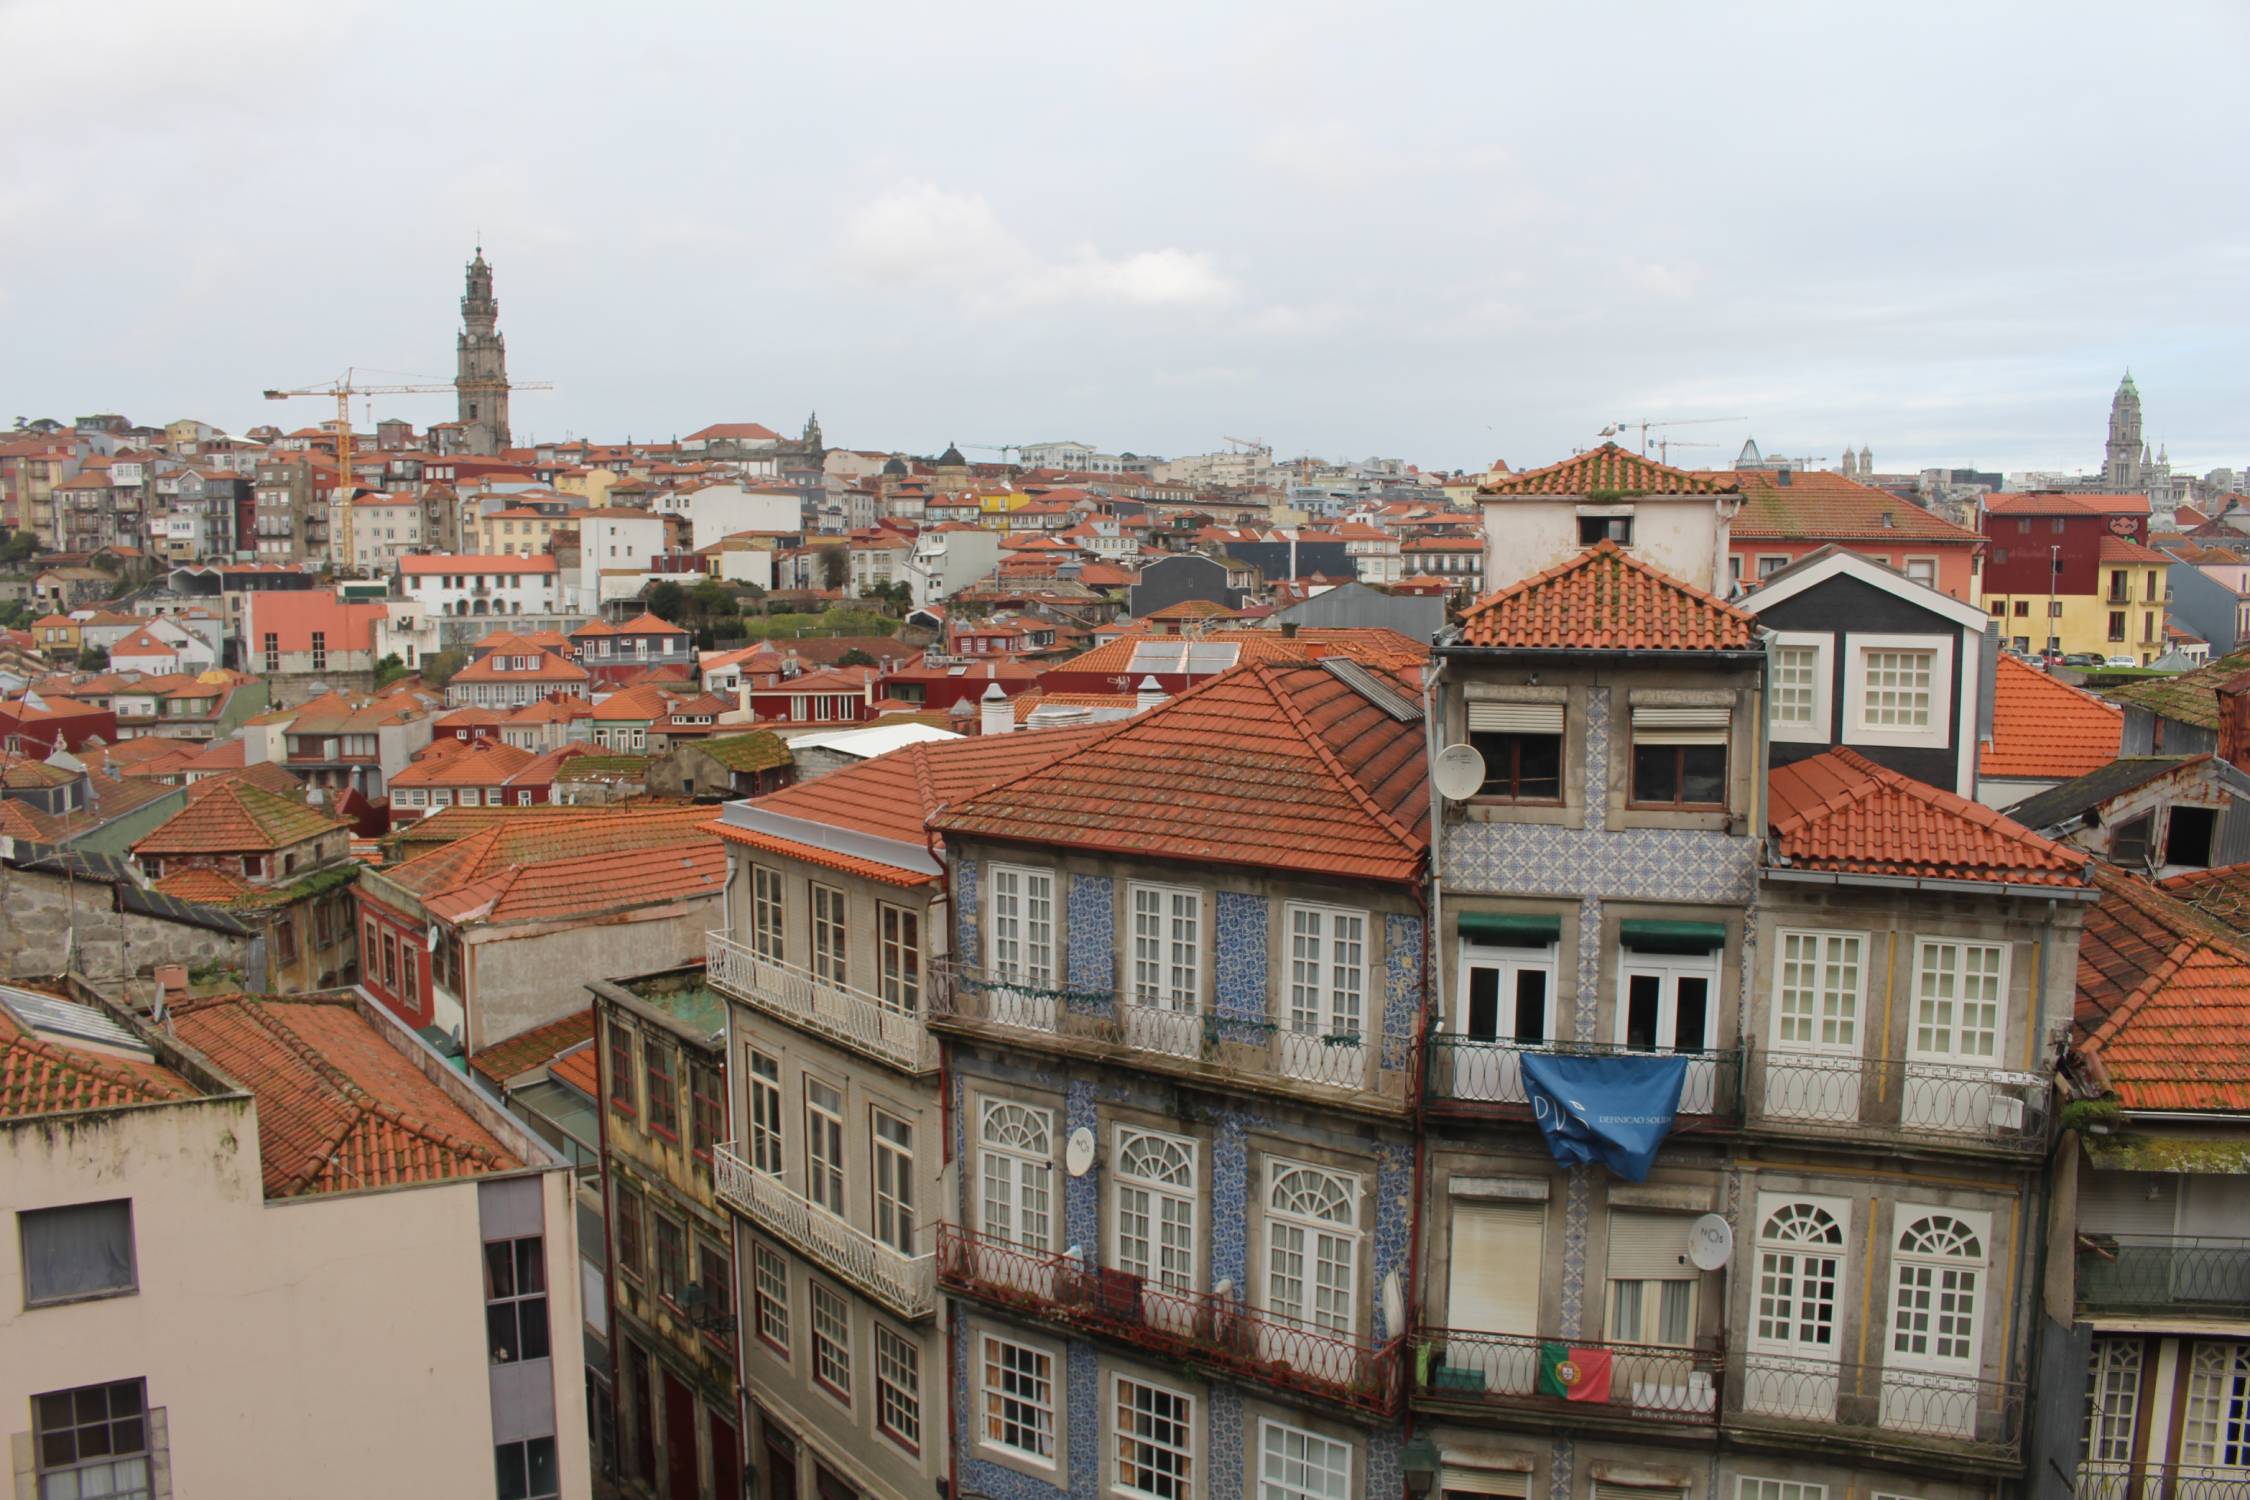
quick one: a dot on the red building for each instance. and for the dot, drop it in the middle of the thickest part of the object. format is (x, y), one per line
(2049, 542)
(35, 726)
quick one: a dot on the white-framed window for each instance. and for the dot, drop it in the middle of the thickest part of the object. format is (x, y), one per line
(765, 1114)
(1023, 925)
(769, 1286)
(1936, 1301)
(898, 958)
(898, 1388)
(766, 913)
(1959, 990)
(2216, 1433)
(1921, 570)
(1167, 949)
(1820, 981)
(1312, 1246)
(832, 1342)
(1152, 1440)
(1667, 1001)
(1294, 1464)
(830, 960)
(1799, 671)
(1652, 1286)
(1898, 690)
(1327, 999)
(1748, 1488)
(1016, 1399)
(2113, 1399)
(1017, 1183)
(824, 1145)
(1507, 1006)
(894, 1182)
(1155, 1220)
(1800, 1266)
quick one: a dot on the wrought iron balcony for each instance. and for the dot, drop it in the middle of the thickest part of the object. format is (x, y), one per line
(901, 1282)
(1181, 1038)
(1901, 1098)
(2187, 1275)
(851, 1017)
(2160, 1481)
(1893, 1405)
(1647, 1382)
(1483, 1077)
(1217, 1331)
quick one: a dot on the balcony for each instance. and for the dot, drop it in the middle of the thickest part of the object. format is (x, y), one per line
(1469, 1371)
(852, 1018)
(899, 1281)
(1216, 1331)
(2161, 1481)
(1900, 1099)
(1875, 1407)
(1482, 1078)
(2164, 1274)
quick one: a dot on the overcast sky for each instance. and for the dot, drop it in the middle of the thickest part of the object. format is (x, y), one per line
(1440, 232)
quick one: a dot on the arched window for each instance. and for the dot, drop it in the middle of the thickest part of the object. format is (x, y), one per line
(1800, 1258)
(1312, 1247)
(1939, 1264)
(1156, 1208)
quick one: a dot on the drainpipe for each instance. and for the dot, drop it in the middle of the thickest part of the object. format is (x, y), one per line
(945, 1132)
(609, 1236)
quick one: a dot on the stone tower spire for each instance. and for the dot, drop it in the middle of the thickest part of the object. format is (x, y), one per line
(480, 381)
(2123, 456)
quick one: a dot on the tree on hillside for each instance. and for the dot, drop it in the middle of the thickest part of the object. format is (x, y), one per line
(93, 659)
(835, 567)
(438, 670)
(666, 600)
(856, 658)
(389, 670)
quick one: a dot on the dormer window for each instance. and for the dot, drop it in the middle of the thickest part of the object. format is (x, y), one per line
(1593, 529)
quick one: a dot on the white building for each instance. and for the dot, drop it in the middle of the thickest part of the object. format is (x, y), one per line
(357, 1274)
(721, 510)
(451, 584)
(947, 559)
(617, 549)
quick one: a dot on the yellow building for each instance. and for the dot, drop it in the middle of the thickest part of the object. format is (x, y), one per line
(593, 483)
(519, 532)
(2124, 617)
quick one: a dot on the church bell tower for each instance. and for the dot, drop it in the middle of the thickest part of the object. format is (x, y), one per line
(2124, 457)
(481, 379)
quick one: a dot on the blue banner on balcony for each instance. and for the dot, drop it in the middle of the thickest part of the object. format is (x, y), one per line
(1614, 1109)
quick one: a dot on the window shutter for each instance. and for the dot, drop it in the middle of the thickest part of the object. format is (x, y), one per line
(1495, 1268)
(1680, 726)
(1648, 1247)
(1484, 1482)
(1515, 718)
(1633, 1492)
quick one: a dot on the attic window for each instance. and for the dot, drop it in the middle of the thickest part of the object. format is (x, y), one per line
(2128, 842)
(1592, 529)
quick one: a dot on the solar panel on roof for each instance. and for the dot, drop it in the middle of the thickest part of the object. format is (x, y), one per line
(1206, 658)
(56, 1016)
(1376, 691)
(1158, 656)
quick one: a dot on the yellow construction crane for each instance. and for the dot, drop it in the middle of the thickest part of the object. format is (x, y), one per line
(343, 390)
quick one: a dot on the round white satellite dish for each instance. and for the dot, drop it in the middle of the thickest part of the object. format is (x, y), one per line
(1394, 1305)
(1458, 772)
(1078, 1151)
(1710, 1242)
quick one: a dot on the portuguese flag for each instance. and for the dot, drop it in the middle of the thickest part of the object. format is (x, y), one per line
(1573, 1374)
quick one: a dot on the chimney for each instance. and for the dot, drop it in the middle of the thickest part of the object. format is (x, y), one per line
(742, 697)
(868, 683)
(1288, 630)
(171, 987)
(1149, 696)
(2234, 720)
(997, 714)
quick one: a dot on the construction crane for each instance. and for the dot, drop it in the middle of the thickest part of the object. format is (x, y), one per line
(1664, 447)
(1616, 428)
(993, 447)
(1247, 445)
(343, 390)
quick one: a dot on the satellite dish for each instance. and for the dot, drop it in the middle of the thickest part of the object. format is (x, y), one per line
(1394, 1305)
(1458, 772)
(1078, 1151)
(429, 943)
(1710, 1242)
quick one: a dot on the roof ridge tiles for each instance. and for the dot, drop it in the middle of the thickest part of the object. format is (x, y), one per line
(1328, 757)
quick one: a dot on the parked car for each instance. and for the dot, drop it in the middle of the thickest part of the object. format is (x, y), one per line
(2083, 659)
(2122, 661)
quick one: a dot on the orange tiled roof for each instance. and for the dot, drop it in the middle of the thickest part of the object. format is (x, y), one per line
(339, 1107)
(205, 887)
(2045, 729)
(1819, 504)
(227, 815)
(2123, 549)
(640, 702)
(548, 668)
(471, 763)
(40, 1076)
(1606, 599)
(1270, 766)
(581, 1069)
(2057, 503)
(1841, 812)
(2163, 1003)
(1608, 470)
(529, 1049)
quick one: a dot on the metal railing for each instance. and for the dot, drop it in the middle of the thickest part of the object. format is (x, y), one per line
(853, 1017)
(1215, 1329)
(1484, 1075)
(1180, 1037)
(902, 1282)
(1646, 1381)
(2161, 1481)
(2164, 1273)
(1894, 1404)
(1837, 1094)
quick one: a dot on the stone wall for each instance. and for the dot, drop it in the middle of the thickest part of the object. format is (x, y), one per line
(40, 914)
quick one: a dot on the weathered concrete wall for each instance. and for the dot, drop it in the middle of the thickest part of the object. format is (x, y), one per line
(38, 913)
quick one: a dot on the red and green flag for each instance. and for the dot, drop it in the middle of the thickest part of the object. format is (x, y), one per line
(1573, 1374)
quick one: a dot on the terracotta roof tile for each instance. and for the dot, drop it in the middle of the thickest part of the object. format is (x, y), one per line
(1817, 504)
(2163, 1003)
(1609, 470)
(759, 750)
(582, 1070)
(41, 1076)
(2044, 729)
(2056, 503)
(340, 1107)
(2123, 549)
(1606, 599)
(2190, 698)
(227, 815)
(1841, 812)
(530, 1049)
(1269, 766)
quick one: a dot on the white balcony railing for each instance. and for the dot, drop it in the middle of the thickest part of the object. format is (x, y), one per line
(904, 1283)
(853, 1017)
